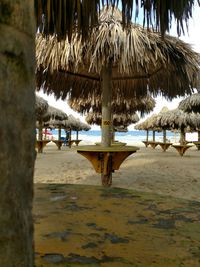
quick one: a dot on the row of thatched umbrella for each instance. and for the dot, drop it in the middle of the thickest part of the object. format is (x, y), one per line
(50, 117)
(128, 63)
(172, 120)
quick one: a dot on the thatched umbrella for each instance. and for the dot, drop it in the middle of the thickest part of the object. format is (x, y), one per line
(148, 125)
(152, 124)
(118, 119)
(53, 16)
(93, 103)
(133, 61)
(52, 114)
(191, 103)
(70, 124)
(179, 120)
(41, 107)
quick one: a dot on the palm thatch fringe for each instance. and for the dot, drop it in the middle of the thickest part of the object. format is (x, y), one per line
(93, 103)
(41, 107)
(62, 17)
(118, 119)
(178, 119)
(141, 60)
(191, 103)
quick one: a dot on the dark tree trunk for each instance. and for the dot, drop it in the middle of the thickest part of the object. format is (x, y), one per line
(17, 132)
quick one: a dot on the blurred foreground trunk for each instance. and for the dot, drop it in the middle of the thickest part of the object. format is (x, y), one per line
(17, 132)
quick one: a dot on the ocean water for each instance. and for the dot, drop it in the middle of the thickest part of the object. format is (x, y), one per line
(128, 137)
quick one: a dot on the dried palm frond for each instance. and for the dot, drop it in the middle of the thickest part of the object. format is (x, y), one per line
(75, 124)
(178, 119)
(191, 103)
(61, 17)
(118, 119)
(141, 61)
(93, 103)
(54, 114)
(41, 107)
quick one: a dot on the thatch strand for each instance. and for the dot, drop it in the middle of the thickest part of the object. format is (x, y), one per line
(178, 119)
(141, 60)
(61, 17)
(93, 103)
(41, 107)
(191, 103)
(123, 119)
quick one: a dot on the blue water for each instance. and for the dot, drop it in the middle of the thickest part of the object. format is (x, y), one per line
(130, 136)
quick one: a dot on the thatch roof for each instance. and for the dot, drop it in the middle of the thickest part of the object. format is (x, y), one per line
(121, 129)
(61, 17)
(141, 61)
(53, 124)
(41, 106)
(75, 124)
(151, 122)
(191, 103)
(178, 119)
(54, 114)
(93, 103)
(118, 119)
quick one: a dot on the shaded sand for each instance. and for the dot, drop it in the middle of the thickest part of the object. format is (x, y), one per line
(148, 170)
(85, 226)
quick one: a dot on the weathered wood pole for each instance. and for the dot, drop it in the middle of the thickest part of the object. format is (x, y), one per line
(17, 132)
(147, 135)
(59, 133)
(40, 134)
(164, 136)
(77, 135)
(106, 124)
(198, 136)
(182, 136)
(154, 136)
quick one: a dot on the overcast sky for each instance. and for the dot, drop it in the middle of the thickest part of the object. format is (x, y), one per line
(192, 37)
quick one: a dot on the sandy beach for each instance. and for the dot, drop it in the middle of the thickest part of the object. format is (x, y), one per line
(148, 170)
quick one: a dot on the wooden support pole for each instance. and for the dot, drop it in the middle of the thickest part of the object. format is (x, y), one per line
(40, 136)
(59, 133)
(182, 136)
(147, 136)
(164, 136)
(153, 136)
(106, 105)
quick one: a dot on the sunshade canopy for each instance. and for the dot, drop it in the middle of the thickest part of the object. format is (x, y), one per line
(93, 103)
(141, 61)
(41, 107)
(191, 103)
(123, 119)
(178, 119)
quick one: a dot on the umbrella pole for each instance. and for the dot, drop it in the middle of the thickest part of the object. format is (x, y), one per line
(182, 139)
(40, 137)
(106, 125)
(70, 137)
(153, 136)
(106, 106)
(77, 135)
(164, 136)
(147, 136)
(59, 133)
(198, 136)
(40, 131)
